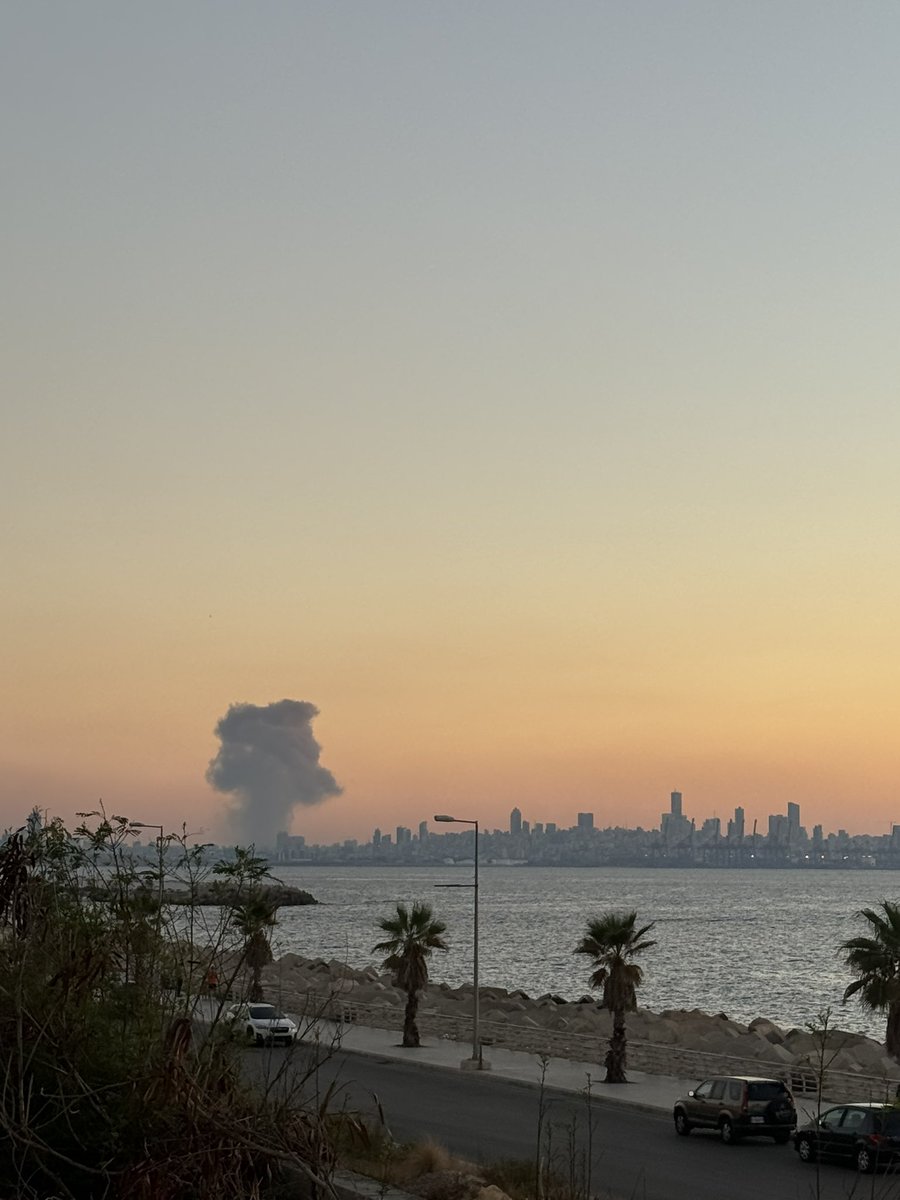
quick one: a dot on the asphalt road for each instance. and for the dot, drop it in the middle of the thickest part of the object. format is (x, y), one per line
(635, 1155)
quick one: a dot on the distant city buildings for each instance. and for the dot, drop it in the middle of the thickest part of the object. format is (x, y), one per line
(290, 847)
(680, 841)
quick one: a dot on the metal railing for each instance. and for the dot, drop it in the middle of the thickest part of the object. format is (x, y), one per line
(653, 1058)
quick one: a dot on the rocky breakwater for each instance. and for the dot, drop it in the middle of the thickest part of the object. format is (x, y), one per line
(687, 1043)
(224, 894)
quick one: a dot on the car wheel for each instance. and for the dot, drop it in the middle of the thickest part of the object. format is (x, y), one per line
(865, 1160)
(260, 1040)
(726, 1132)
(682, 1124)
(806, 1150)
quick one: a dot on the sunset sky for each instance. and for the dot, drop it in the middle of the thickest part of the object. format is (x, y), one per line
(516, 383)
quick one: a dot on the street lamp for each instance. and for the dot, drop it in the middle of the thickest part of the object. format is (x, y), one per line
(159, 843)
(476, 1041)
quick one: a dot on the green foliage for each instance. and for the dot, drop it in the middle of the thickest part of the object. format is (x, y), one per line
(413, 935)
(613, 942)
(107, 1090)
(875, 961)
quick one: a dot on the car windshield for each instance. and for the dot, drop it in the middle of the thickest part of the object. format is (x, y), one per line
(766, 1089)
(264, 1012)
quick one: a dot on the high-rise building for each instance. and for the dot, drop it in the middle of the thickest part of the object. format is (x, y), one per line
(376, 838)
(778, 827)
(793, 822)
(404, 835)
(586, 821)
(675, 804)
(550, 827)
(526, 828)
(515, 822)
(711, 828)
(737, 826)
(290, 846)
(423, 831)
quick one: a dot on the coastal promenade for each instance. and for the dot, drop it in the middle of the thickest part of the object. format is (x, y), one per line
(650, 1091)
(674, 1044)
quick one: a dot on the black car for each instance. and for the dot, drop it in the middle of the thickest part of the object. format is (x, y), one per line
(866, 1135)
(738, 1106)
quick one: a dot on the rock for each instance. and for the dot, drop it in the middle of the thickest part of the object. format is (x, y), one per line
(585, 1025)
(493, 993)
(802, 1044)
(497, 1015)
(778, 1053)
(767, 1029)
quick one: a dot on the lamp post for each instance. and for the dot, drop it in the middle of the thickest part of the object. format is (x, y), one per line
(159, 843)
(476, 1040)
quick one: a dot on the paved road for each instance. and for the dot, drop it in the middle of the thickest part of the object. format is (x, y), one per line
(636, 1155)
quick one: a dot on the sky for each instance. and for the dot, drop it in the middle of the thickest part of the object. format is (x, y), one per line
(515, 386)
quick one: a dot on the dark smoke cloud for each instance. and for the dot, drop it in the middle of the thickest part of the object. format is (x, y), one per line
(269, 765)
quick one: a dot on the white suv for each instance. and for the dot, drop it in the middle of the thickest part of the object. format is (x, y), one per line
(262, 1023)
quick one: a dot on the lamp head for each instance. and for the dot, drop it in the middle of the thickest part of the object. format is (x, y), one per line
(443, 817)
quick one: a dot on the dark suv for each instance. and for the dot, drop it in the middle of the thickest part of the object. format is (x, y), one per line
(738, 1106)
(867, 1135)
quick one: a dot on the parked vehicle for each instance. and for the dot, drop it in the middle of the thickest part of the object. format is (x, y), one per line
(738, 1106)
(261, 1023)
(866, 1135)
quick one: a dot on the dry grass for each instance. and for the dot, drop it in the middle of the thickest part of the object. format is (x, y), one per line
(423, 1158)
(427, 1169)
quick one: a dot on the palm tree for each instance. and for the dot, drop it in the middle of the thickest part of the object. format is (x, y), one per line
(875, 961)
(412, 936)
(613, 942)
(254, 919)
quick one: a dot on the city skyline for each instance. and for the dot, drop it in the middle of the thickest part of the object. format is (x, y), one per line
(674, 823)
(516, 390)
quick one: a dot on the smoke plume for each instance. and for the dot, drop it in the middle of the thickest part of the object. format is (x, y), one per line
(268, 765)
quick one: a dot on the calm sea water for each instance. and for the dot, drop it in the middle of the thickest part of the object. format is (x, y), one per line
(747, 943)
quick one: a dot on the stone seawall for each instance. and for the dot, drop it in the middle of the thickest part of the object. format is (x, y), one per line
(681, 1062)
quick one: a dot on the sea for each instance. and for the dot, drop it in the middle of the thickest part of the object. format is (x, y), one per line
(747, 943)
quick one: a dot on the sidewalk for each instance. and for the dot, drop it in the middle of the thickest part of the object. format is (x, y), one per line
(654, 1092)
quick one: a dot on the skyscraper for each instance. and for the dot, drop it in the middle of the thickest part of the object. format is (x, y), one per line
(793, 822)
(515, 822)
